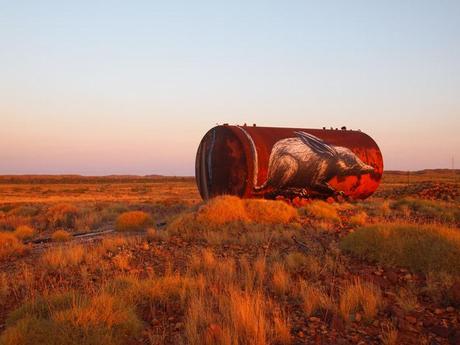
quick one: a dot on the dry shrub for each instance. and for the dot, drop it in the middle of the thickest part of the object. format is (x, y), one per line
(269, 211)
(222, 209)
(359, 218)
(133, 221)
(360, 296)
(421, 248)
(63, 257)
(62, 215)
(314, 298)
(72, 319)
(61, 236)
(10, 245)
(24, 232)
(322, 210)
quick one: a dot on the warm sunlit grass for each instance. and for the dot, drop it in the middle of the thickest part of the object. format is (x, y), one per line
(63, 257)
(322, 210)
(61, 236)
(418, 247)
(133, 221)
(72, 319)
(223, 209)
(10, 245)
(359, 219)
(226, 209)
(360, 297)
(269, 211)
(24, 232)
(313, 298)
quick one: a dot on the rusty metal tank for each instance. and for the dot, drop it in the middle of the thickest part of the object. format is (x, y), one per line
(268, 162)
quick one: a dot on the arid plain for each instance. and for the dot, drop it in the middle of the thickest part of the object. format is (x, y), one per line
(143, 260)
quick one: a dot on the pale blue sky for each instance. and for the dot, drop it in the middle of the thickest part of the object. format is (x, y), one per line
(98, 87)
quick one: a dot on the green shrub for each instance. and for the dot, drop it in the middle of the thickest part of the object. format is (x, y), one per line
(420, 248)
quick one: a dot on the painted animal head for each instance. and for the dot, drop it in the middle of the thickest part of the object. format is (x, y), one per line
(344, 161)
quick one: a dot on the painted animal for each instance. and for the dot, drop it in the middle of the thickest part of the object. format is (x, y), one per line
(307, 163)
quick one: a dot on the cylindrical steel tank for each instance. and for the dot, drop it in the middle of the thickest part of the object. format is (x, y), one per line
(267, 162)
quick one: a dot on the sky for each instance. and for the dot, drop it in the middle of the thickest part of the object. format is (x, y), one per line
(131, 87)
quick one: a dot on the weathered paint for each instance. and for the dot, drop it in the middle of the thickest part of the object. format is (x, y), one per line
(236, 160)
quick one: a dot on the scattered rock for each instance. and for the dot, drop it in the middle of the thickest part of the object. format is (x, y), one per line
(440, 331)
(455, 293)
(438, 311)
(411, 319)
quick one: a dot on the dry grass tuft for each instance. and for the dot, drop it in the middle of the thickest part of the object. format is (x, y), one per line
(62, 215)
(222, 209)
(61, 236)
(322, 210)
(10, 245)
(314, 298)
(133, 221)
(406, 299)
(389, 335)
(225, 209)
(280, 279)
(360, 296)
(24, 232)
(282, 329)
(359, 218)
(270, 211)
(72, 319)
(63, 257)
(420, 248)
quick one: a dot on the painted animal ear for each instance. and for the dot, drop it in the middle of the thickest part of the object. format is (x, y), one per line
(316, 144)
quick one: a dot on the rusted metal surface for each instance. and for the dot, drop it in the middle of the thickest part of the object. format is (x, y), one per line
(268, 162)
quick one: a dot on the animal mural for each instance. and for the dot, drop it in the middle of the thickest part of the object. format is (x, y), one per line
(303, 165)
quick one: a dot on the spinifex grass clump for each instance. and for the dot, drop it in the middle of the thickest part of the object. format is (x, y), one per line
(9, 245)
(71, 318)
(321, 210)
(24, 232)
(133, 221)
(431, 209)
(61, 236)
(224, 218)
(420, 248)
(226, 209)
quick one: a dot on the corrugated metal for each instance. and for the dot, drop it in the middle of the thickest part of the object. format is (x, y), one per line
(312, 163)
